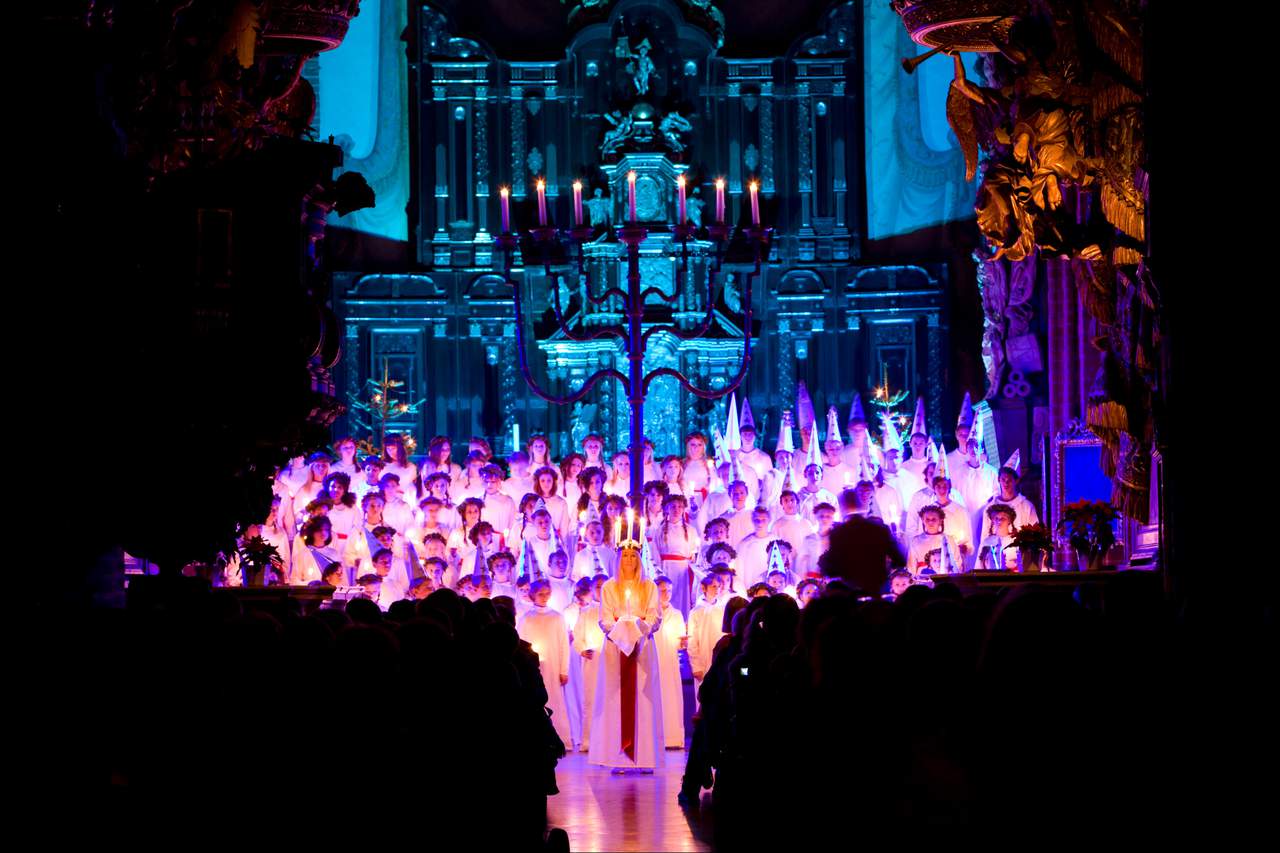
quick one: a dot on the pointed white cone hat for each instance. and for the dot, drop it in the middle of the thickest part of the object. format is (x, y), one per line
(945, 567)
(918, 426)
(776, 563)
(722, 450)
(875, 457)
(746, 420)
(892, 441)
(931, 452)
(942, 467)
(732, 436)
(855, 410)
(979, 432)
(814, 457)
(966, 412)
(785, 441)
(1015, 462)
(833, 425)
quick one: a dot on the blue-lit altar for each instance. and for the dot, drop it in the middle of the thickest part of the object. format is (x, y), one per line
(652, 86)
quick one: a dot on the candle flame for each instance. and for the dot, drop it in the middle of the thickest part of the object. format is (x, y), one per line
(631, 176)
(577, 185)
(541, 184)
(680, 180)
(504, 192)
(754, 186)
(719, 183)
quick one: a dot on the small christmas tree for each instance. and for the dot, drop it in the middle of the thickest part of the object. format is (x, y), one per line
(886, 402)
(370, 416)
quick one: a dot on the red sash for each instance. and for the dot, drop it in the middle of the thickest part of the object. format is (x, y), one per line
(627, 673)
(674, 557)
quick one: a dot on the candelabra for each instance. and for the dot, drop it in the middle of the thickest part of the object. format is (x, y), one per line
(632, 333)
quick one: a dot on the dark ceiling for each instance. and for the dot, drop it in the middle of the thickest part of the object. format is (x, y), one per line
(539, 29)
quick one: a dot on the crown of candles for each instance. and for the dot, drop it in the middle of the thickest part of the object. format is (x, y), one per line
(627, 533)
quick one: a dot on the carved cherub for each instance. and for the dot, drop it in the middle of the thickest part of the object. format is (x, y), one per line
(672, 125)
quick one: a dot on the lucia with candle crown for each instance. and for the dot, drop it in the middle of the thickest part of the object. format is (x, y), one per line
(626, 725)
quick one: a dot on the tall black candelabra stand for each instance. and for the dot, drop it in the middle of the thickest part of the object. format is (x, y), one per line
(632, 333)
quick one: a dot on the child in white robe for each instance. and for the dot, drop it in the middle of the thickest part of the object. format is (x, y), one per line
(544, 629)
(753, 550)
(931, 538)
(595, 558)
(561, 583)
(704, 629)
(573, 690)
(669, 640)
(790, 525)
(588, 640)
(675, 545)
(996, 553)
(502, 567)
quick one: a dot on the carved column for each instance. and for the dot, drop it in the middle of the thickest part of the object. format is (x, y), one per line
(480, 132)
(934, 381)
(766, 139)
(804, 156)
(516, 105)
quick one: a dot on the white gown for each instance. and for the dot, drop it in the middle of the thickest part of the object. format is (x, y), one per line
(678, 541)
(792, 529)
(704, 632)
(593, 560)
(606, 748)
(667, 640)
(544, 629)
(587, 636)
(573, 690)
(753, 558)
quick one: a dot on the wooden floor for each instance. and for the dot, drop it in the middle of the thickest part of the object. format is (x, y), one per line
(601, 811)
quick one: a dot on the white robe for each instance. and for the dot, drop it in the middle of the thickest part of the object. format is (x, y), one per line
(837, 478)
(892, 509)
(757, 460)
(408, 474)
(959, 526)
(792, 529)
(667, 639)
(544, 629)
(587, 637)
(561, 593)
(922, 544)
(815, 545)
(753, 558)
(810, 500)
(535, 555)
(1024, 510)
(740, 526)
(593, 560)
(704, 632)
(678, 541)
(499, 510)
(401, 515)
(1004, 558)
(573, 690)
(606, 722)
(517, 487)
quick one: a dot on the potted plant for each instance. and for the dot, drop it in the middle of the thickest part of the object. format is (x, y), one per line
(1089, 527)
(256, 557)
(1032, 541)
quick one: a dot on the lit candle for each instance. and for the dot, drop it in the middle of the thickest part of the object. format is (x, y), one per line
(505, 196)
(642, 528)
(617, 530)
(755, 203)
(631, 523)
(631, 195)
(542, 202)
(577, 203)
(720, 200)
(680, 205)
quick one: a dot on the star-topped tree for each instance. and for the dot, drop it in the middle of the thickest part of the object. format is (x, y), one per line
(370, 415)
(886, 403)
